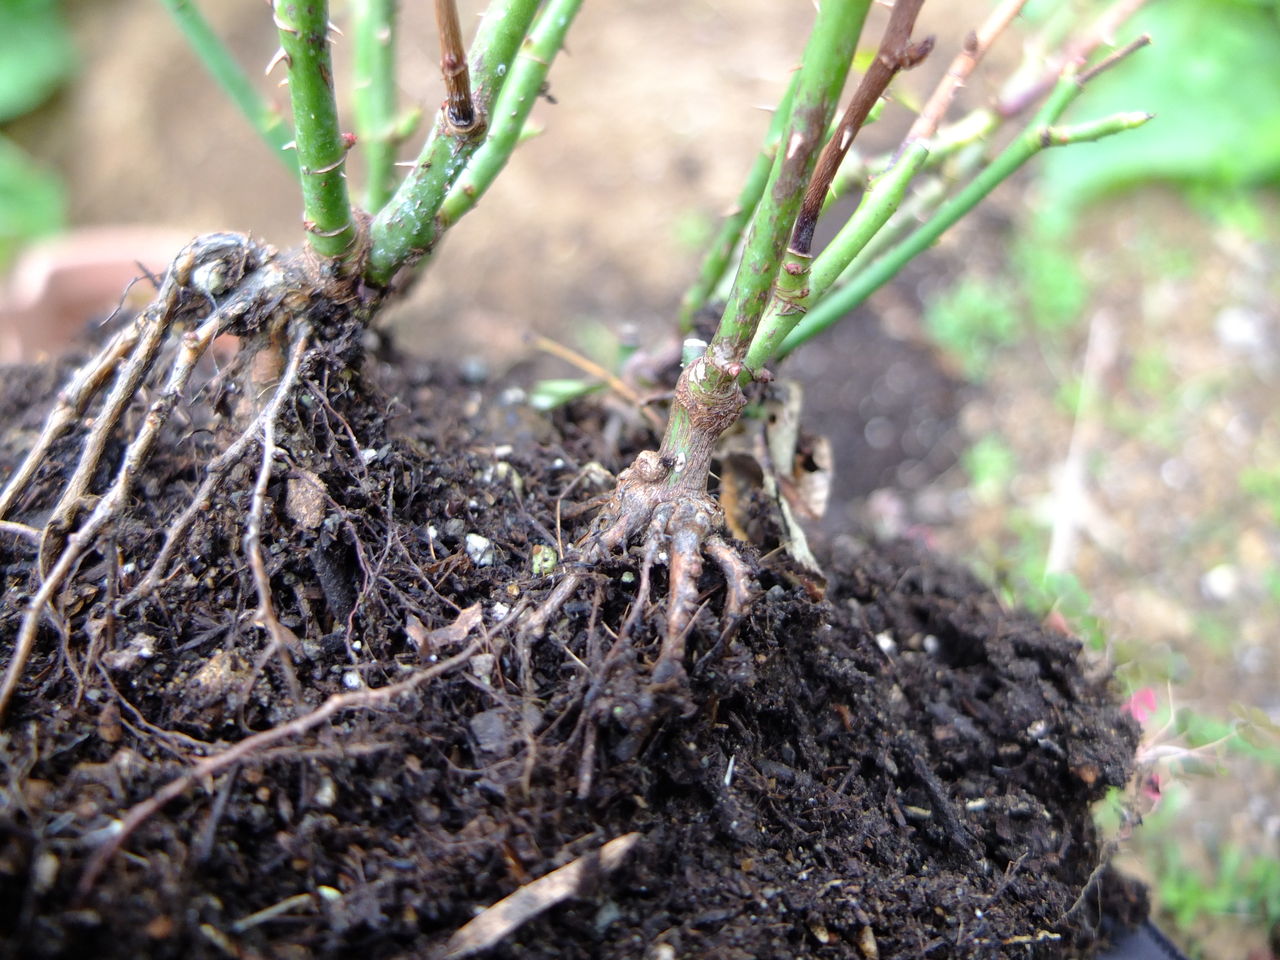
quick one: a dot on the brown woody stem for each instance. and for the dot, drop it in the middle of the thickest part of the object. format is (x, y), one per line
(453, 66)
(896, 53)
(976, 46)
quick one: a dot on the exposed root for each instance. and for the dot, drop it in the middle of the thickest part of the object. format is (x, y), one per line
(283, 640)
(218, 284)
(671, 524)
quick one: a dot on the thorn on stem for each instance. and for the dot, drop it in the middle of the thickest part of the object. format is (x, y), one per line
(278, 58)
(282, 26)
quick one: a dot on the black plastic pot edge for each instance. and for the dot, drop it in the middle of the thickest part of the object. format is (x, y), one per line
(1144, 942)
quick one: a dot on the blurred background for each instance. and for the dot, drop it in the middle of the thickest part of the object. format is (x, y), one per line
(1077, 392)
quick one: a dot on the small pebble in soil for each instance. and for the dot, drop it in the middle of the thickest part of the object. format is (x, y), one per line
(480, 550)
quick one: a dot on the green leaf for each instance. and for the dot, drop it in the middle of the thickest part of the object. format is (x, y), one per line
(36, 54)
(549, 394)
(1212, 77)
(31, 200)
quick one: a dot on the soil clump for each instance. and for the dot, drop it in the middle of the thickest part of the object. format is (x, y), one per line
(891, 764)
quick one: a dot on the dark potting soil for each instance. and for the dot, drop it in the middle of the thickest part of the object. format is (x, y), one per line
(895, 766)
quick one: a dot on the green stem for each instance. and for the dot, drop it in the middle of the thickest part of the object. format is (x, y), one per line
(217, 59)
(896, 53)
(716, 262)
(304, 37)
(794, 289)
(1040, 134)
(405, 229)
(826, 63)
(881, 200)
(878, 205)
(374, 95)
(510, 112)
(961, 147)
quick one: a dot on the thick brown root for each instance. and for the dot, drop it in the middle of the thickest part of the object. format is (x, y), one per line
(670, 523)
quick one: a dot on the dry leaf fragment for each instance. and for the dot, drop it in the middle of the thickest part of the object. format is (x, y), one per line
(431, 643)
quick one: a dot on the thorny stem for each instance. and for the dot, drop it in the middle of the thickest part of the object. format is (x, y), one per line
(826, 62)
(406, 229)
(322, 153)
(217, 59)
(707, 397)
(961, 68)
(888, 189)
(1040, 134)
(896, 53)
(374, 95)
(879, 222)
(792, 292)
(716, 262)
(978, 125)
(1019, 94)
(527, 75)
(453, 67)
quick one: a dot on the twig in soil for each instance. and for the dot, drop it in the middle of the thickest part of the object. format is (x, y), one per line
(950, 819)
(21, 531)
(510, 913)
(202, 849)
(212, 765)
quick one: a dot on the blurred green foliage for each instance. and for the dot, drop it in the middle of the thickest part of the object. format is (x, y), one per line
(1051, 280)
(972, 321)
(1262, 484)
(36, 57)
(978, 317)
(991, 465)
(1212, 77)
(1242, 883)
